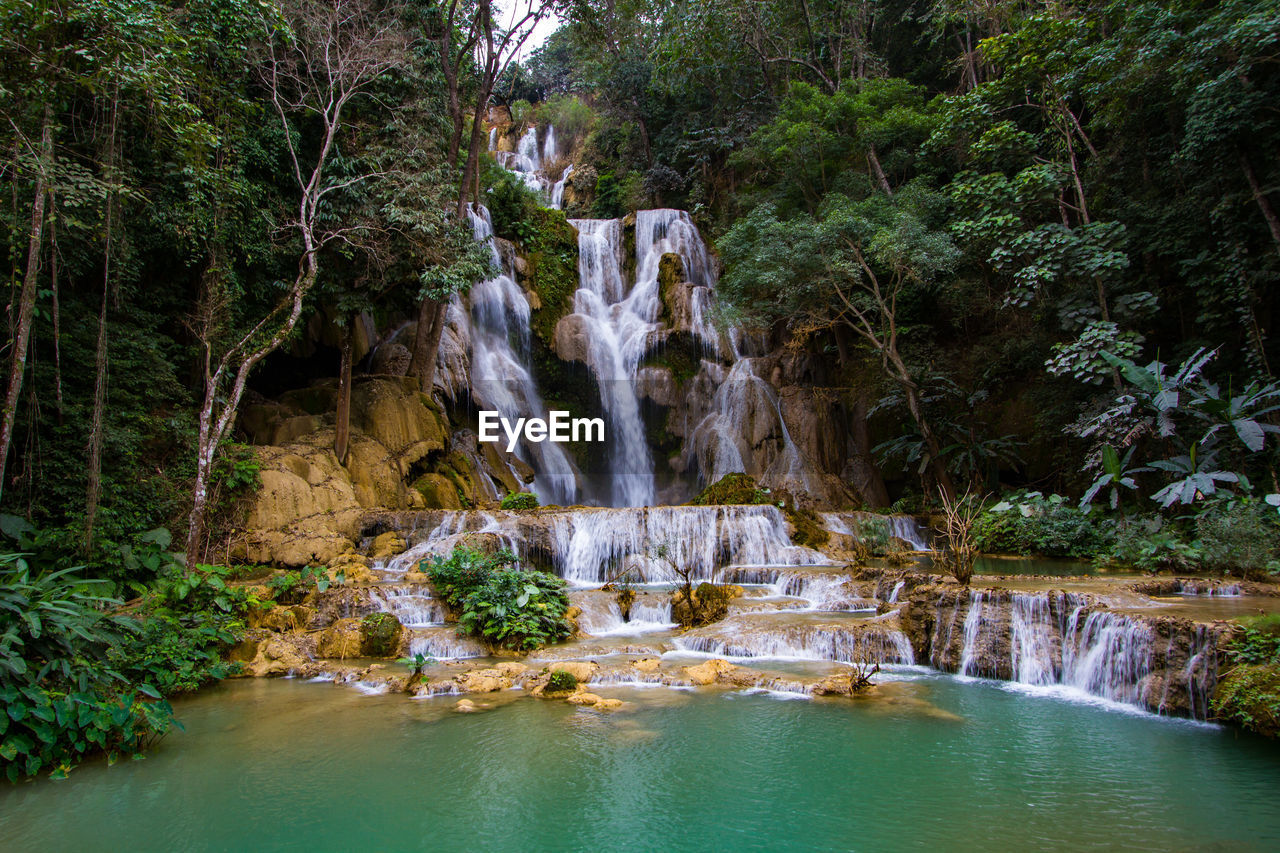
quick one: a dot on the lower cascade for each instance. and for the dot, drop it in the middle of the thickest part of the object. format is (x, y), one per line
(793, 603)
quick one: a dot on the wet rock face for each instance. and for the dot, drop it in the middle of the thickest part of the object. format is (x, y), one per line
(1162, 663)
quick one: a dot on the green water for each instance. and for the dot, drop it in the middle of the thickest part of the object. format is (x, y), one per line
(281, 765)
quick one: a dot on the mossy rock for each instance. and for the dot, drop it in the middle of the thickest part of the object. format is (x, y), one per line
(380, 635)
(680, 352)
(438, 491)
(807, 530)
(552, 256)
(1249, 696)
(732, 489)
(670, 275)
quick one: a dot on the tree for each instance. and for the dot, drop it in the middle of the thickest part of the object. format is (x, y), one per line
(333, 56)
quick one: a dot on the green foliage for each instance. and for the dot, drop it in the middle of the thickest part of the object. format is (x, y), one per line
(561, 681)
(1240, 538)
(519, 500)
(499, 603)
(1151, 544)
(64, 698)
(380, 635)
(736, 488)
(571, 118)
(290, 587)
(1248, 694)
(1034, 523)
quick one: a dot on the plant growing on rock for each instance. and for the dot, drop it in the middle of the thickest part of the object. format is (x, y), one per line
(561, 681)
(1248, 694)
(519, 500)
(959, 548)
(416, 664)
(498, 602)
(380, 635)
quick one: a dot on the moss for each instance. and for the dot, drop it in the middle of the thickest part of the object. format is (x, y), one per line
(681, 354)
(732, 489)
(808, 531)
(1249, 696)
(550, 248)
(670, 274)
(379, 635)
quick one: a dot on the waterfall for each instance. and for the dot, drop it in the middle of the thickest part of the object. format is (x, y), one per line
(847, 641)
(608, 317)
(590, 546)
(1061, 639)
(414, 606)
(557, 189)
(501, 373)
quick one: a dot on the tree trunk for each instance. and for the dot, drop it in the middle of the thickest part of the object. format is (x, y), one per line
(1260, 198)
(878, 171)
(93, 490)
(342, 429)
(866, 474)
(432, 316)
(27, 298)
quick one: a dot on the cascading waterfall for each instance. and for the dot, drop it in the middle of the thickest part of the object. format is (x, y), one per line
(501, 374)
(608, 317)
(590, 547)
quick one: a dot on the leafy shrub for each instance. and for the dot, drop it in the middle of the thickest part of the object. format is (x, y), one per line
(1032, 523)
(519, 500)
(380, 635)
(1248, 694)
(64, 700)
(562, 682)
(176, 653)
(499, 603)
(517, 609)
(571, 118)
(1150, 544)
(1239, 537)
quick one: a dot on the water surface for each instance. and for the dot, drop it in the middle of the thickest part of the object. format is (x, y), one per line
(285, 765)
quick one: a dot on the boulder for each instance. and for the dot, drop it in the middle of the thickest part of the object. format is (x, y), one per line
(579, 669)
(571, 340)
(353, 567)
(343, 639)
(482, 681)
(417, 577)
(709, 672)
(647, 664)
(281, 618)
(391, 360)
(387, 545)
(275, 656)
(395, 414)
(511, 669)
(466, 706)
(584, 698)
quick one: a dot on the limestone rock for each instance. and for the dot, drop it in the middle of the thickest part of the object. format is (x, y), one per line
(466, 706)
(647, 664)
(571, 340)
(416, 577)
(394, 413)
(354, 568)
(391, 360)
(482, 681)
(276, 656)
(387, 545)
(608, 704)
(438, 492)
(579, 669)
(709, 672)
(583, 699)
(340, 640)
(511, 669)
(281, 618)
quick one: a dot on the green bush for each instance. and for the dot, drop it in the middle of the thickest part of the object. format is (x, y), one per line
(380, 635)
(1150, 544)
(1032, 523)
(499, 603)
(1248, 694)
(732, 489)
(519, 500)
(1239, 537)
(562, 682)
(63, 697)
(571, 118)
